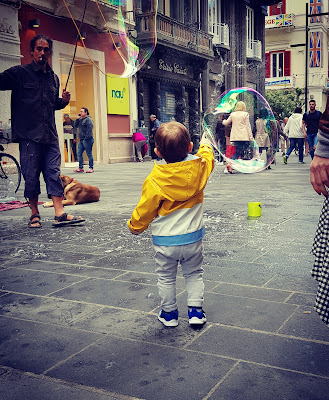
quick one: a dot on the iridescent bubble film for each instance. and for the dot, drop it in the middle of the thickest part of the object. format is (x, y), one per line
(130, 29)
(242, 128)
(133, 32)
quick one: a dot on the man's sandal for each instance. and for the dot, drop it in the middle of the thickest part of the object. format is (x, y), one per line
(62, 220)
(36, 223)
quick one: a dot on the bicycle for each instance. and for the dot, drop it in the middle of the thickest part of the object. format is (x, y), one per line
(9, 167)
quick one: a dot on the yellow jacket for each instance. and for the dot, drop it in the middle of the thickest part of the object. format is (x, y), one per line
(172, 199)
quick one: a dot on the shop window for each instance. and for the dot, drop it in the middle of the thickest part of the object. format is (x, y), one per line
(277, 64)
(278, 8)
(170, 105)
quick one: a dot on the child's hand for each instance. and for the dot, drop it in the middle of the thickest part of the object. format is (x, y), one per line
(204, 139)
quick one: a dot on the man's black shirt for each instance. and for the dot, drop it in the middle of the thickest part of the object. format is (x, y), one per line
(312, 121)
(34, 99)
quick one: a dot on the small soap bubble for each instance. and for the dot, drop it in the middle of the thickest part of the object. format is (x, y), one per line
(242, 128)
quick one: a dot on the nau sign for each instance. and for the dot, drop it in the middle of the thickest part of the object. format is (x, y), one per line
(117, 95)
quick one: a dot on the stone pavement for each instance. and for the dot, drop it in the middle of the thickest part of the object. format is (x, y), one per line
(78, 305)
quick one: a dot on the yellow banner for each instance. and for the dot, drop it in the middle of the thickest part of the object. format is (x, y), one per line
(117, 95)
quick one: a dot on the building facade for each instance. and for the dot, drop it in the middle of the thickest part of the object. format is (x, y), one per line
(203, 48)
(88, 83)
(297, 48)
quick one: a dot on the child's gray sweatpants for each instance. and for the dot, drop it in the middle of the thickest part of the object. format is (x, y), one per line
(190, 258)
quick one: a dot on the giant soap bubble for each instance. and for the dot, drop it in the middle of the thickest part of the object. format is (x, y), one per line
(247, 142)
(127, 32)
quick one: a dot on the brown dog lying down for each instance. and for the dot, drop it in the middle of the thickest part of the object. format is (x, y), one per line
(76, 192)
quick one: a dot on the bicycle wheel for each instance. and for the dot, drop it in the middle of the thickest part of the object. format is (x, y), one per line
(10, 169)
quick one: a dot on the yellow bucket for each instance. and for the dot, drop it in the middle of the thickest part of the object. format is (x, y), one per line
(254, 209)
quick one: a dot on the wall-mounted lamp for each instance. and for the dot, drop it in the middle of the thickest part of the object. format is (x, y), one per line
(133, 33)
(83, 35)
(34, 23)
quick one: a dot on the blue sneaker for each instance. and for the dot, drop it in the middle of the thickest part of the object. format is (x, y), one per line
(168, 318)
(196, 316)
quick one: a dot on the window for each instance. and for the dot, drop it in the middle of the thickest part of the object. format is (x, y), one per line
(277, 64)
(214, 16)
(278, 8)
(250, 27)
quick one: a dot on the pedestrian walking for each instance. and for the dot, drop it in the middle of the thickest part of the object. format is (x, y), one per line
(320, 180)
(85, 124)
(34, 100)
(261, 136)
(155, 123)
(241, 134)
(68, 126)
(220, 138)
(311, 122)
(171, 202)
(296, 135)
(283, 138)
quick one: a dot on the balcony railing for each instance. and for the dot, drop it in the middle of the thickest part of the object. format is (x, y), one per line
(173, 32)
(221, 34)
(254, 49)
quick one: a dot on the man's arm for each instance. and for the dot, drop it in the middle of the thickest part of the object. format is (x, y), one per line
(9, 79)
(156, 124)
(320, 165)
(61, 102)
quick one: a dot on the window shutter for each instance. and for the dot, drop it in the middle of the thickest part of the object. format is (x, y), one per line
(287, 63)
(267, 65)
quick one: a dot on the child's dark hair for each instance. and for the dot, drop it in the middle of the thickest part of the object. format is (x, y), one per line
(172, 140)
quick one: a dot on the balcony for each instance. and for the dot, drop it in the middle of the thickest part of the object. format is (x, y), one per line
(254, 49)
(279, 21)
(221, 34)
(174, 34)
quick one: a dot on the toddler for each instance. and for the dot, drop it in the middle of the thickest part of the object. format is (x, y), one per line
(172, 200)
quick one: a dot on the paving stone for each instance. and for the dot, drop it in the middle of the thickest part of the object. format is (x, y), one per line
(272, 350)
(302, 299)
(34, 253)
(65, 268)
(252, 292)
(134, 296)
(17, 385)
(256, 382)
(34, 282)
(151, 369)
(35, 347)
(243, 312)
(293, 283)
(139, 326)
(43, 309)
(306, 323)
(134, 260)
(250, 274)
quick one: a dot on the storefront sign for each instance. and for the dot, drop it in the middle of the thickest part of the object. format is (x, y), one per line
(277, 83)
(281, 20)
(174, 68)
(117, 95)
